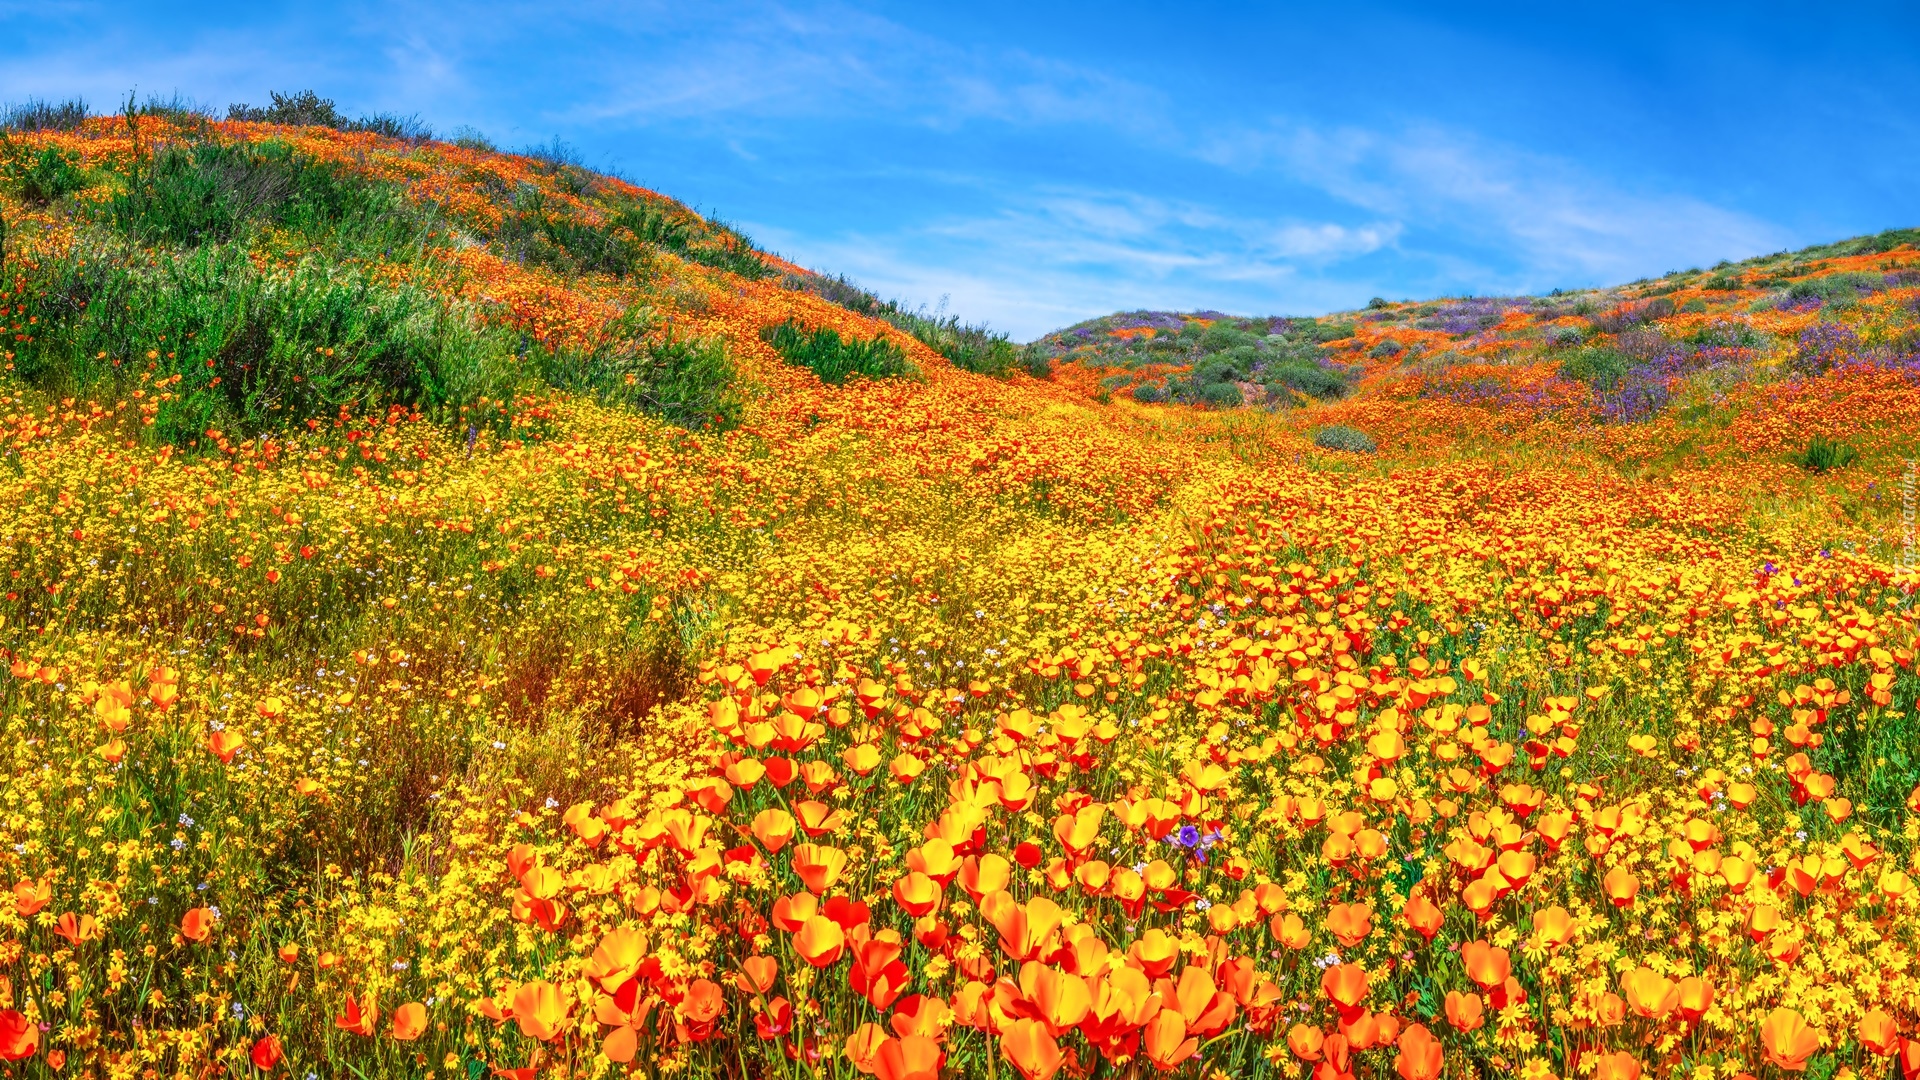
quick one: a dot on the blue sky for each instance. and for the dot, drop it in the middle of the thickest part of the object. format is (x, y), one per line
(1043, 163)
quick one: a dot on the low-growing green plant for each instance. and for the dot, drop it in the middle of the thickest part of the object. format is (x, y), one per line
(686, 381)
(833, 358)
(1307, 377)
(1598, 367)
(39, 176)
(965, 346)
(1343, 438)
(1220, 395)
(1824, 455)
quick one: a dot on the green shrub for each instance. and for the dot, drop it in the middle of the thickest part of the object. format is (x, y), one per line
(1599, 368)
(1387, 347)
(686, 381)
(41, 176)
(1035, 361)
(303, 109)
(1341, 437)
(1823, 455)
(37, 114)
(1220, 336)
(1843, 286)
(1324, 332)
(1307, 377)
(832, 358)
(1220, 395)
(1149, 394)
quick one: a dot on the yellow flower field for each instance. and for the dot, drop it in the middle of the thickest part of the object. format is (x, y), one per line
(941, 725)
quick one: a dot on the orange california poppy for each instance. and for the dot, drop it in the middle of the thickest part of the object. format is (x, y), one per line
(1465, 1011)
(1350, 923)
(1420, 1055)
(409, 1021)
(197, 924)
(1788, 1039)
(19, 1036)
(1487, 964)
(1031, 1050)
(359, 1016)
(540, 1010)
(820, 941)
(1878, 1031)
(1166, 1041)
(1423, 917)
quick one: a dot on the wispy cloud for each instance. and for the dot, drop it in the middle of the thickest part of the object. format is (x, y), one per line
(1525, 218)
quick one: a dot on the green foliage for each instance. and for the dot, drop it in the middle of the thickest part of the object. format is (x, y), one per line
(1149, 394)
(209, 192)
(38, 114)
(1323, 332)
(965, 346)
(39, 177)
(1843, 286)
(1035, 362)
(1823, 455)
(254, 350)
(1220, 395)
(1341, 437)
(1307, 377)
(686, 381)
(1598, 367)
(833, 358)
(302, 109)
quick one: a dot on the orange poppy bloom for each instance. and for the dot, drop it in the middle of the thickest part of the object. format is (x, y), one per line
(1465, 1011)
(820, 941)
(77, 929)
(1487, 964)
(359, 1016)
(1350, 923)
(30, 896)
(1878, 1031)
(1420, 1055)
(540, 1010)
(197, 924)
(1620, 885)
(757, 974)
(910, 1057)
(1166, 1041)
(1553, 927)
(1306, 1041)
(1789, 1040)
(1345, 985)
(1696, 996)
(818, 866)
(225, 744)
(19, 1036)
(773, 828)
(409, 1021)
(1649, 993)
(1618, 1065)
(267, 1053)
(1030, 1049)
(917, 894)
(1422, 916)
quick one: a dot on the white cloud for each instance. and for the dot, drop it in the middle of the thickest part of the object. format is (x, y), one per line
(1552, 221)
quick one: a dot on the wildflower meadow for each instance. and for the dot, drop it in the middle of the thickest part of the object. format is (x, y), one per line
(468, 616)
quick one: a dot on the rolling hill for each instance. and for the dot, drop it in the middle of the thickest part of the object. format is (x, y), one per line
(468, 615)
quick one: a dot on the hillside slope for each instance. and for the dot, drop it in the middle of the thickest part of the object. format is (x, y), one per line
(1620, 354)
(469, 616)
